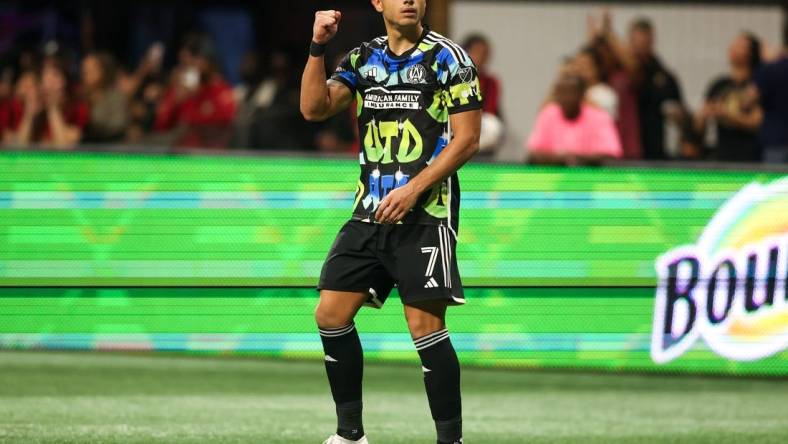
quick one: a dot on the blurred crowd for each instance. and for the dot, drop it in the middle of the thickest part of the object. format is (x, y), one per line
(52, 99)
(617, 98)
(614, 98)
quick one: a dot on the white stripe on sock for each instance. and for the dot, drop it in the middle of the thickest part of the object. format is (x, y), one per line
(336, 332)
(432, 342)
(429, 336)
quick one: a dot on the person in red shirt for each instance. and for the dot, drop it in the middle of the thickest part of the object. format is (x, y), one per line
(6, 99)
(46, 111)
(199, 105)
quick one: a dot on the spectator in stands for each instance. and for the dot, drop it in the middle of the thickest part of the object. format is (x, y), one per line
(772, 82)
(130, 83)
(142, 111)
(478, 48)
(569, 131)
(268, 115)
(731, 115)
(659, 97)
(49, 111)
(277, 121)
(590, 67)
(108, 106)
(6, 99)
(144, 88)
(623, 75)
(198, 105)
(248, 95)
(25, 90)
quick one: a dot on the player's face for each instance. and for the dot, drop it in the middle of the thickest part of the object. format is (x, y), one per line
(401, 12)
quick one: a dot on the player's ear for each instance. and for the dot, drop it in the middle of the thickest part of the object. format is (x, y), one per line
(377, 4)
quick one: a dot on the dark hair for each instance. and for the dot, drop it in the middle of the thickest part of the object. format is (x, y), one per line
(755, 50)
(642, 24)
(200, 44)
(573, 80)
(596, 58)
(474, 39)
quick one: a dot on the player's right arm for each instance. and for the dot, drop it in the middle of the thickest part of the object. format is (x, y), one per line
(321, 99)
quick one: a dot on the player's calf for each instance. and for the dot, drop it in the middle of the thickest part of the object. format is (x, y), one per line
(442, 381)
(343, 359)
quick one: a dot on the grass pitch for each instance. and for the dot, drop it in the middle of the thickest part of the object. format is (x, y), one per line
(62, 397)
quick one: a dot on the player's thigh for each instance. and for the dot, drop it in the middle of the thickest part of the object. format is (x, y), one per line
(353, 266)
(426, 266)
(338, 308)
(425, 317)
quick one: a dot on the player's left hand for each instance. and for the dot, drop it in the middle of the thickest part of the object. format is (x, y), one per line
(396, 205)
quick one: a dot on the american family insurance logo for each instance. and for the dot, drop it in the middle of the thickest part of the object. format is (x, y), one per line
(730, 287)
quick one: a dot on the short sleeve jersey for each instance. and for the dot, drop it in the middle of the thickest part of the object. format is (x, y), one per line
(403, 103)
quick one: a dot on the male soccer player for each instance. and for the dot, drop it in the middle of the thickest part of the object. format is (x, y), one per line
(418, 103)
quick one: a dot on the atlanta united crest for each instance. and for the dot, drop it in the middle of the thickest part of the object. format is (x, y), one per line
(416, 74)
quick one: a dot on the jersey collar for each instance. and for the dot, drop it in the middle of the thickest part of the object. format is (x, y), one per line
(406, 54)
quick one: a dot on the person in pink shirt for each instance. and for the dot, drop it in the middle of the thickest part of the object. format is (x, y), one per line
(570, 132)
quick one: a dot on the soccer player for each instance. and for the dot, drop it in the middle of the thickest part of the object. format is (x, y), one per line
(418, 103)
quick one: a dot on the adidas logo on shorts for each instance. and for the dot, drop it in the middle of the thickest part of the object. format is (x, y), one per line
(431, 283)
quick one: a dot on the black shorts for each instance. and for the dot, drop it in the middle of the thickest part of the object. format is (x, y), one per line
(373, 258)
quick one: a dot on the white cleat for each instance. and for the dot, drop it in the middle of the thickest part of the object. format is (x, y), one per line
(336, 439)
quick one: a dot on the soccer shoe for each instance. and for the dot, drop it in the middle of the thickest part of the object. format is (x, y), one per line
(336, 439)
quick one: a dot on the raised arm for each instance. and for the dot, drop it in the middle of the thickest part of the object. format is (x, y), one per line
(620, 50)
(321, 99)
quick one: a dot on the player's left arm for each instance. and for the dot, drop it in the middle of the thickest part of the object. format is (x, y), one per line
(466, 127)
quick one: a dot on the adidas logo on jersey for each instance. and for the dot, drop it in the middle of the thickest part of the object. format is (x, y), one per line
(432, 283)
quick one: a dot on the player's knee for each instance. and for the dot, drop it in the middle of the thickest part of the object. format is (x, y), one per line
(327, 317)
(423, 325)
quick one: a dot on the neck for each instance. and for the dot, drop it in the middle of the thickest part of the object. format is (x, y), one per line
(572, 114)
(402, 38)
(740, 73)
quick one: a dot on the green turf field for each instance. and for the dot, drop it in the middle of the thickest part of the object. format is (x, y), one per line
(59, 397)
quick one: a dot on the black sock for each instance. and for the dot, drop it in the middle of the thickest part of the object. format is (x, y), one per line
(442, 381)
(345, 368)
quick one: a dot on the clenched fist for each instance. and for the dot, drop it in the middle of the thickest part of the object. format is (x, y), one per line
(326, 25)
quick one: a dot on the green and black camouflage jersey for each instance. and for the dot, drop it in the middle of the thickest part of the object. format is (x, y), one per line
(403, 105)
